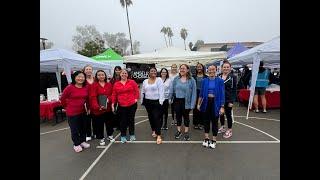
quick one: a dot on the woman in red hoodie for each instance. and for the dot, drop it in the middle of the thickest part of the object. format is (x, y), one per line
(126, 93)
(100, 106)
(73, 99)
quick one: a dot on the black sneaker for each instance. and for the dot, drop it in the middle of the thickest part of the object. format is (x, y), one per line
(177, 135)
(186, 137)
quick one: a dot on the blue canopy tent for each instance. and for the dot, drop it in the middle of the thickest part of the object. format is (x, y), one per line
(238, 48)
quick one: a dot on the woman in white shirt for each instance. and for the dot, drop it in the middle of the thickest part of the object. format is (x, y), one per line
(152, 97)
(164, 74)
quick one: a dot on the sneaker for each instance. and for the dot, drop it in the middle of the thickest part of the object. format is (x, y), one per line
(85, 145)
(77, 148)
(110, 138)
(212, 144)
(132, 138)
(227, 134)
(177, 135)
(222, 130)
(186, 137)
(102, 142)
(205, 143)
(264, 111)
(88, 139)
(256, 111)
(123, 139)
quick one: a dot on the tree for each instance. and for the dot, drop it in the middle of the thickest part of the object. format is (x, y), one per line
(136, 46)
(117, 41)
(190, 45)
(84, 35)
(126, 3)
(184, 34)
(48, 45)
(164, 30)
(170, 34)
(197, 44)
(92, 48)
(223, 48)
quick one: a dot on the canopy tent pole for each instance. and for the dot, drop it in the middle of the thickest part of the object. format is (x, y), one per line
(254, 76)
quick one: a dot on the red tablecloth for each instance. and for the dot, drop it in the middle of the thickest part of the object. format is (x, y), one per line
(46, 109)
(273, 98)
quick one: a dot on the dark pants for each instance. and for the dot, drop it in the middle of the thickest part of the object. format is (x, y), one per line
(116, 120)
(165, 106)
(227, 111)
(78, 128)
(197, 119)
(209, 116)
(172, 109)
(154, 112)
(88, 125)
(127, 119)
(101, 120)
(181, 112)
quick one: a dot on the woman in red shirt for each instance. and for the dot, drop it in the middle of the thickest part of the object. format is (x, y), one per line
(126, 93)
(88, 70)
(100, 106)
(73, 99)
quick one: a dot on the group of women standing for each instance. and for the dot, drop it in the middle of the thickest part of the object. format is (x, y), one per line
(208, 96)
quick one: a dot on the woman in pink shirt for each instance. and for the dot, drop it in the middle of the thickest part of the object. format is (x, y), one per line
(73, 99)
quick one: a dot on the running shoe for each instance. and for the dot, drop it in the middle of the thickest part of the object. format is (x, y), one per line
(110, 138)
(132, 138)
(85, 145)
(123, 139)
(77, 148)
(102, 142)
(221, 130)
(212, 144)
(177, 135)
(88, 138)
(205, 143)
(227, 134)
(186, 136)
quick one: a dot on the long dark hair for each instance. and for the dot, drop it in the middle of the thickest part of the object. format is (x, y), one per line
(75, 74)
(114, 71)
(167, 76)
(96, 76)
(203, 69)
(188, 73)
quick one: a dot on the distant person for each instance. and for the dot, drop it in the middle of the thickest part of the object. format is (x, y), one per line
(198, 77)
(152, 97)
(91, 125)
(125, 93)
(101, 114)
(230, 86)
(164, 74)
(184, 89)
(173, 73)
(211, 102)
(74, 99)
(245, 78)
(260, 89)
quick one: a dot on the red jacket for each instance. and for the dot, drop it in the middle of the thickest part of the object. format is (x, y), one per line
(73, 99)
(126, 94)
(95, 90)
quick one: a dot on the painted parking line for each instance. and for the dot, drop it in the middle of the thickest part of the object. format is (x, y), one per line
(54, 131)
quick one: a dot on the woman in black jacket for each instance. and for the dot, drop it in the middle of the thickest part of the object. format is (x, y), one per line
(230, 84)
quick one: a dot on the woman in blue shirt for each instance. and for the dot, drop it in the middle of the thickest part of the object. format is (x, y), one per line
(211, 103)
(184, 90)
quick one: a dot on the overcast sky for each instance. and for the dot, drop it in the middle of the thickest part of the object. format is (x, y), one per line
(208, 20)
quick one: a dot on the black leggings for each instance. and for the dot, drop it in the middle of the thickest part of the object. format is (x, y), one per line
(179, 105)
(228, 114)
(127, 119)
(154, 112)
(88, 119)
(101, 120)
(172, 109)
(165, 107)
(209, 116)
(78, 128)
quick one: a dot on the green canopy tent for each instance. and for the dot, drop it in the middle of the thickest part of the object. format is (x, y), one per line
(109, 57)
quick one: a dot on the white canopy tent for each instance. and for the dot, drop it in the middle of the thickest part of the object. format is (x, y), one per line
(268, 52)
(59, 60)
(167, 56)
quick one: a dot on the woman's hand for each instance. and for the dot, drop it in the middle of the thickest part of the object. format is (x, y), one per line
(230, 104)
(136, 100)
(221, 110)
(112, 107)
(198, 107)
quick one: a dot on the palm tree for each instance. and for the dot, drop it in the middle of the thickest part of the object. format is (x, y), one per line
(126, 3)
(170, 34)
(184, 34)
(164, 30)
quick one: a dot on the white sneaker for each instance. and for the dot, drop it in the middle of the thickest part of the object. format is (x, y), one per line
(88, 139)
(205, 143)
(212, 144)
(102, 143)
(85, 145)
(111, 139)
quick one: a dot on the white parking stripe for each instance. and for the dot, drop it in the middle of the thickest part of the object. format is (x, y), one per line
(54, 131)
